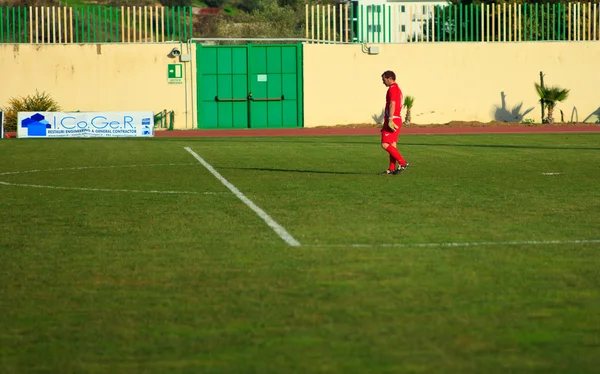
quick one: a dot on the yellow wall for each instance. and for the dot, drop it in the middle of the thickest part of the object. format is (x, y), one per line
(94, 77)
(342, 85)
(450, 81)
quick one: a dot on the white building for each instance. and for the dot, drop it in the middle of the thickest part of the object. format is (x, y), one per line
(393, 21)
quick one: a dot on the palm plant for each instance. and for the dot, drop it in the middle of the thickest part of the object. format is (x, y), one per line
(549, 96)
(408, 103)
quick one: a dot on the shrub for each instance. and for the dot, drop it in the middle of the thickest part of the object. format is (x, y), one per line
(40, 102)
(173, 2)
(409, 101)
(215, 3)
(266, 20)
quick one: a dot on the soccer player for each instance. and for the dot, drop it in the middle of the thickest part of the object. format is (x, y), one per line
(392, 123)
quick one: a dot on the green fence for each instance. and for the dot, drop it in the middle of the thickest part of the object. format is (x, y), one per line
(164, 120)
(95, 24)
(410, 22)
(514, 22)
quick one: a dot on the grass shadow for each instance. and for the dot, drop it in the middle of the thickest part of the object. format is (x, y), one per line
(298, 171)
(501, 146)
(401, 144)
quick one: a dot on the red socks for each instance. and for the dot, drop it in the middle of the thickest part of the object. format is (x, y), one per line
(392, 163)
(394, 155)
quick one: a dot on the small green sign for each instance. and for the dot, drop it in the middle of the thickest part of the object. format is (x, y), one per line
(175, 74)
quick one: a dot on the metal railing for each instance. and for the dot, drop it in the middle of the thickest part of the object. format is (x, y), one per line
(329, 23)
(95, 24)
(346, 23)
(409, 22)
(164, 120)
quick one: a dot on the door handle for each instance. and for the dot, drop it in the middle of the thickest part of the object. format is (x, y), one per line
(266, 99)
(229, 100)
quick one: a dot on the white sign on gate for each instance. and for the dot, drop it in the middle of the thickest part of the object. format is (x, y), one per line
(1, 124)
(84, 124)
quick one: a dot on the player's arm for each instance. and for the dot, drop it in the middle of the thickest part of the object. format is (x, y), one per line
(392, 109)
(391, 123)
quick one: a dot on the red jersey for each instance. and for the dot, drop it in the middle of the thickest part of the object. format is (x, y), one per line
(393, 94)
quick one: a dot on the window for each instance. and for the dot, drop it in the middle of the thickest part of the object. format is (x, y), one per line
(373, 9)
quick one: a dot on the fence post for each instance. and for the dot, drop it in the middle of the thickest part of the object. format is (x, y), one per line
(471, 21)
(595, 22)
(569, 22)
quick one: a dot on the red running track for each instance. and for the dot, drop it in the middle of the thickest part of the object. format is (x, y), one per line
(324, 131)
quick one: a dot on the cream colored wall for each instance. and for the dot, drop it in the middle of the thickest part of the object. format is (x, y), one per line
(94, 77)
(342, 85)
(450, 81)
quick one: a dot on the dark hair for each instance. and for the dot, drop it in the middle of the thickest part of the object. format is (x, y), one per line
(389, 74)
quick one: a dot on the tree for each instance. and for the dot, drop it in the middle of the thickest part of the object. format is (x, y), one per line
(297, 4)
(174, 2)
(249, 6)
(550, 96)
(292, 3)
(215, 3)
(267, 20)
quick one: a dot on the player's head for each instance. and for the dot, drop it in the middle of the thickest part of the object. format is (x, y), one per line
(388, 77)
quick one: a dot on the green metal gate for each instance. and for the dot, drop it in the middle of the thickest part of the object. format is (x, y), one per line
(249, 86)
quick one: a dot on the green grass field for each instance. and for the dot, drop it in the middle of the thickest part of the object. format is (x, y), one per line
(130, 256)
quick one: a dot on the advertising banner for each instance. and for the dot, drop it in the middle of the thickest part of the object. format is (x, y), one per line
(84, 124)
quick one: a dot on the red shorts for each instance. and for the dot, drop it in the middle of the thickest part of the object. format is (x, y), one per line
(389, 136)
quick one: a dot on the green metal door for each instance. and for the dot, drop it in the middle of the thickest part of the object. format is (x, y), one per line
(249, 86)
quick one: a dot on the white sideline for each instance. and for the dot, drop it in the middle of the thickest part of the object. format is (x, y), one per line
(282, 232)
(99, 189)
(89, 167)
(466, 244)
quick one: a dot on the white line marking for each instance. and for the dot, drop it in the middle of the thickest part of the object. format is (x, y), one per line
(99, 189)
(473, 244)
(92, 167)
(103, 189)
(283, 234)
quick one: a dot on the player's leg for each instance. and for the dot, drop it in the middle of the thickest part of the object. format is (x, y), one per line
(394, 156)
(388, 142)
(402, 164)
(385, 143)
(393, 151)
(392, 165)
